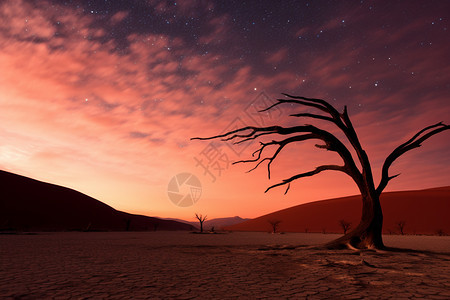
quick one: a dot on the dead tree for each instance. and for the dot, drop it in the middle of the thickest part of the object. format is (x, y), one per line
(345, 225)
(127, 224)
(368, 232)
(155, 226)
(440, 232)
(274, 224)
(401, 226)
(201, 219)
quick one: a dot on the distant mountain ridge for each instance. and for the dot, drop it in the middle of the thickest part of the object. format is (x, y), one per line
(422, 211)
(217, 223)
(220, 223)
(30, 205)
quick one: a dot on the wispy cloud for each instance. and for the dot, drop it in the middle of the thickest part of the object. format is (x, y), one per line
(73, 99)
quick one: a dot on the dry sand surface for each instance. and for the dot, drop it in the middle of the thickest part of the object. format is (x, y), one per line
(180, 265)
(427, 213)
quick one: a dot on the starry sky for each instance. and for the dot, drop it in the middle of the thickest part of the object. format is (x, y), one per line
(104, 96)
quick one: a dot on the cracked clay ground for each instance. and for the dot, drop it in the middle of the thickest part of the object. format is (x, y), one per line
(230, 266)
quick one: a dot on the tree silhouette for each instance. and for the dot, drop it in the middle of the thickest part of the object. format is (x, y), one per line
(345, 225)
(274, 224)
(368, 232)
(127, 224)
(401, 226)
(201, 219)
(155, 226)
(440, 232)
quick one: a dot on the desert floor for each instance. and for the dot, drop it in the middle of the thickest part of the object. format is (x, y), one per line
(180, 265)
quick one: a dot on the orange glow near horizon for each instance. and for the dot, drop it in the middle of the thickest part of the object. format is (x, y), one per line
(116, 125)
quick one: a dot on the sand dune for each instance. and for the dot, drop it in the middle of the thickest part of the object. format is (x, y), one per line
(423, 212)
(31, 205)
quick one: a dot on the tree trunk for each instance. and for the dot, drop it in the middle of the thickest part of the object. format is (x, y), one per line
(367, 235)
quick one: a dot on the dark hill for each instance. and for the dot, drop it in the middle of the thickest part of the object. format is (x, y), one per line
(31, 205)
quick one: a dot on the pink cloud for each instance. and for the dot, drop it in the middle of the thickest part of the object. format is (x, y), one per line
(277, 57)
(301, 32)
(187, 8)
(71, 104)
(119, 17)
(218, 31)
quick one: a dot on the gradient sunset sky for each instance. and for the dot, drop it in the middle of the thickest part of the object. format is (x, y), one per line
(104, 96)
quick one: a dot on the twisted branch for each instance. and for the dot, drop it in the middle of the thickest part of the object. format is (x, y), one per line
(364, 178)
(307, 174)
(281, 145)
(331, 143)
(414, 142)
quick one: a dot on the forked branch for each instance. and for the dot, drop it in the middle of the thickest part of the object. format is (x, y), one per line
(341, 120)
(311, 102)
(414, 142)
(307, 132)
(281, 145)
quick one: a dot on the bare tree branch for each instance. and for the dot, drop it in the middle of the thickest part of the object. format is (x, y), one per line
(311, 102)
(310, 173)
(331, 143)
(342, 121)
(412, 143)
(252, 137)
(328, 107)
(305, 103)
(281, 145)
(314, 116)
(420, 132)
(201, 217)
(230, 133)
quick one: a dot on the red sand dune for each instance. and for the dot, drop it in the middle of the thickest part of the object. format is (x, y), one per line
(31, 205)
(423, 211)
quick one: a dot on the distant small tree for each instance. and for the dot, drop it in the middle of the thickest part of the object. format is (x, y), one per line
(440, 232)
(345, 225)
(401, 226)
(201, 219)
(274, 224)
(155, 226)
(127, 224)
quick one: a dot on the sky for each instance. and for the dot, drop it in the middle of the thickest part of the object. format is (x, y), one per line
(104, 96)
